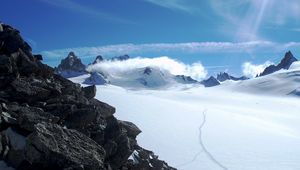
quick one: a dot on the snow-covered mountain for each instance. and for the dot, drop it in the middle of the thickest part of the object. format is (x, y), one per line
(157, 78)
(148, 77)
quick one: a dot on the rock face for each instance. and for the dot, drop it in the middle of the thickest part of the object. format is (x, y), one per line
(225, 76)
(285, 63)
(71, 66)
(48, 122)
(210, 82)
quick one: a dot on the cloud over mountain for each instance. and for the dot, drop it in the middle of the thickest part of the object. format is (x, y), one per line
(251, 70)
(115, 67)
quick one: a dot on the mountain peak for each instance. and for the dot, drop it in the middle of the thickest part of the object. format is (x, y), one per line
(223, 76)
(71, 54)
(98, 59)
(285, 63)
(70, 66)
(210, 82)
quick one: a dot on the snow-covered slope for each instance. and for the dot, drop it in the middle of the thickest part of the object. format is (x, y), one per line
(282, 82)
(244, 125)
(240, 131)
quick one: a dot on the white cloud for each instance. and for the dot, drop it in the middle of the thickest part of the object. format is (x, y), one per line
(190, 47)
(195, 70)
(251, 70)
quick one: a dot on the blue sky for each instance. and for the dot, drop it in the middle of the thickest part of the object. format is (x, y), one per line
(221, 34)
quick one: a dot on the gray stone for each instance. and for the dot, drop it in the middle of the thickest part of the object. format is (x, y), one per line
(52, 146)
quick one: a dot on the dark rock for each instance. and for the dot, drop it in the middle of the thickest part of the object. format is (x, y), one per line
(53, 147)
(26, 64)
(60, 110)
(131, 129)
(103, 108)
(69, 99)
(8, 118)
(12, 41)
(210, 82)
(38, 57)
(142, 159)
(48, 122)
(89, 91)
(110, 147)
(5, 64)
(82, 118)
(16, 144)
(24, 91)
(30, 116)
(124, 150)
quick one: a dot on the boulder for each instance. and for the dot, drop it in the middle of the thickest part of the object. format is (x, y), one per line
(30, 116)
(23, 91)
(89, 91)
(53, 147)
(131, 129)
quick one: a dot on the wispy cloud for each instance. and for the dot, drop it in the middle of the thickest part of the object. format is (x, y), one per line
(295, 29)
(74, 6)
(173, 4)
(246, 19)
(191, 47)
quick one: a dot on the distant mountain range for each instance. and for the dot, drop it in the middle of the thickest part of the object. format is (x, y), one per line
(149, 77)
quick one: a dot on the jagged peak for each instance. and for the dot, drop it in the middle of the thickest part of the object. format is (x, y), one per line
(98, 59)
(285, 63)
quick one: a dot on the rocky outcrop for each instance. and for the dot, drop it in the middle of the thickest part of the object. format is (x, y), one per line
(223, 76)
(285, 63)
(71, 66)
(48, 122)
(145, 159)
(210, 82)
